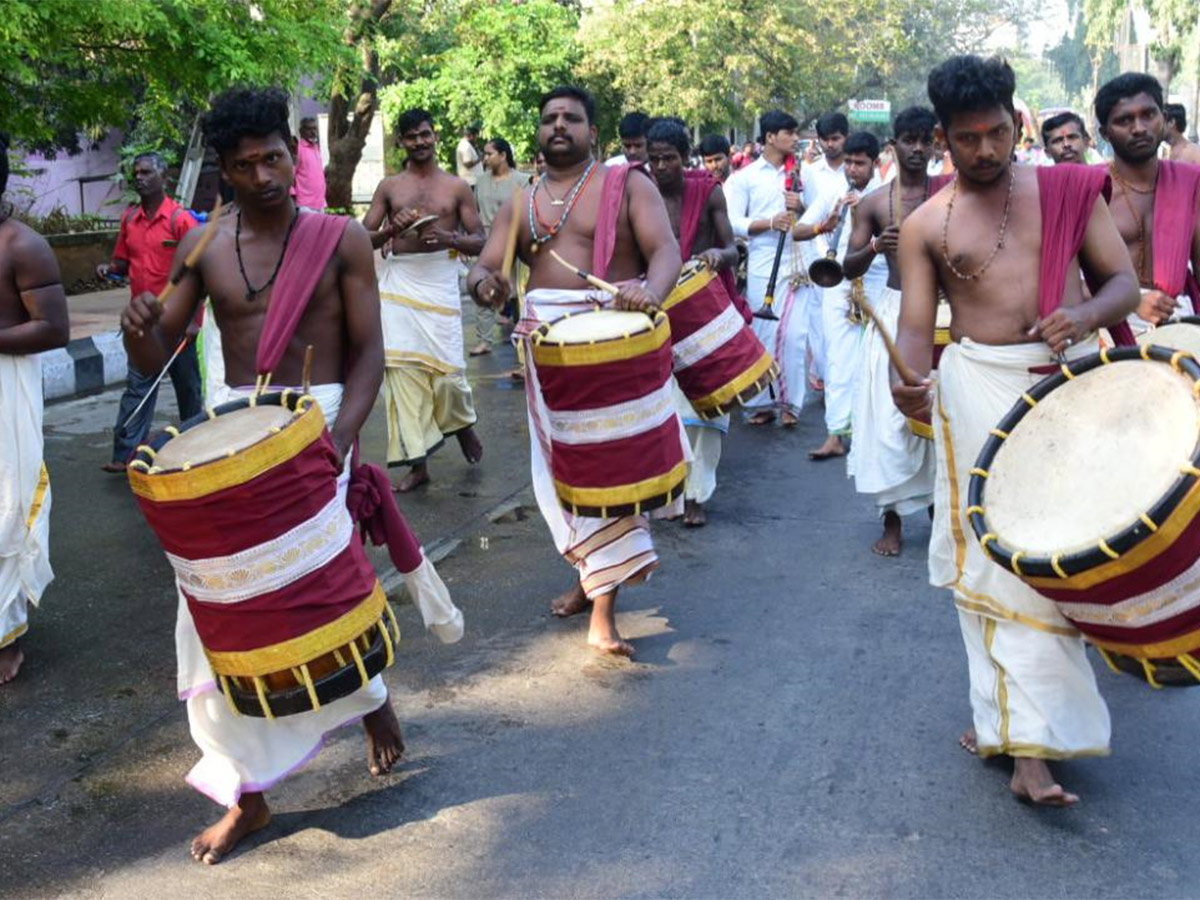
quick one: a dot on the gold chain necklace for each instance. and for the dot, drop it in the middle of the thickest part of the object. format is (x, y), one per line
(975, 276)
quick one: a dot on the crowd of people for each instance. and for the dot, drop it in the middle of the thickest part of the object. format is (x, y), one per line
(792, 265)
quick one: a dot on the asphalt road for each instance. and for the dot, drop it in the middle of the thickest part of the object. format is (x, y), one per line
(789, 728)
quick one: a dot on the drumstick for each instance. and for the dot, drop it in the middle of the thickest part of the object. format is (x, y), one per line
(587, 276)
(154, 385)
(514, 231)
(903, 369)
(189, 263)
(306, 376)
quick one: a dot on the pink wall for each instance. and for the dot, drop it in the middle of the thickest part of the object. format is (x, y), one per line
(54, 182)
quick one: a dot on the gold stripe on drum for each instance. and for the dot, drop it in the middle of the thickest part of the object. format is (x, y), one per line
(623, 494)
(690, 283)
(231, 471)
(1163, 650)
(547, 353)
(719, 401)
(299, 650)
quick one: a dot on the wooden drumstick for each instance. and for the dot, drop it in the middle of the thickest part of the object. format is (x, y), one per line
(189, 263)
(587, 276)
(903, 369)
(306, 375)
(514, 231)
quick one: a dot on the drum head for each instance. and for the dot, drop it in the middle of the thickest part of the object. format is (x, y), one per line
(1091, 457)
(944, 316)
(217, 438)
(598, 325)
(1176, 335)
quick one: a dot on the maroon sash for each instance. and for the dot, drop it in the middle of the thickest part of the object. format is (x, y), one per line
(1176, 198)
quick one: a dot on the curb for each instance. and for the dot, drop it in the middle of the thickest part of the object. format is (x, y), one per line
(85, 366)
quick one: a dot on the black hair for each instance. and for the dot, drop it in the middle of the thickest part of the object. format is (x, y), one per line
(832, 123)
(633, 125)
(918, 120)
(714, 144)
(776, 120)
(862, 142)
(3, 162)
(1128, 84)
(669, 130)
(970, 84)
(156, 160)
(504, 147)
(571, 92)
(312, 119)
(246, 112)
(1176, 113)
(414, 118)
(1063, 118)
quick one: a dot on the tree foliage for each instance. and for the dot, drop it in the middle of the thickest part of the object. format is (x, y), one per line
(74, 65)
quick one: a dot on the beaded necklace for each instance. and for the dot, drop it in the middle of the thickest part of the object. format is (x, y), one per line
(251, 291)
(568, 204)
(1126, 190)
(976, 275)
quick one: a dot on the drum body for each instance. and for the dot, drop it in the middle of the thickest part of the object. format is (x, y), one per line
(1089, 491)
(246, 501)
(615, 439)
(719, 360)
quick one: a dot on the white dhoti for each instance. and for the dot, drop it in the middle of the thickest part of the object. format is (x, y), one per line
(1033, 692)
(886, 459)
(787, 339)
(705, 437)
(425, 386)
(843, 347)
(24, 495)
(606, 552)
(244, 753)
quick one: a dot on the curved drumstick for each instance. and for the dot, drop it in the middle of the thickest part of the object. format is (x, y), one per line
(903, 369)
(587, 276)
(189, 262)
(514, 230)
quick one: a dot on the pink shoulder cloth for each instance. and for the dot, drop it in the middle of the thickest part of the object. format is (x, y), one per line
(1176, 198)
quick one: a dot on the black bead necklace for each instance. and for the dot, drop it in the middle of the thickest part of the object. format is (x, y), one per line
(251, 291)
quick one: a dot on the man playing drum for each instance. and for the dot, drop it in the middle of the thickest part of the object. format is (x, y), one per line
(33, 318)
(244, 756)
(1156, 202)
(609, 219)
(887, 460)
(669, 147)
(1006, 244)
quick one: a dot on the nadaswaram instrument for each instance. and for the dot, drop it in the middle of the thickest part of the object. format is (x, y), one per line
(246, 500)
(615, 439)
(767, 310)
(1089, 491)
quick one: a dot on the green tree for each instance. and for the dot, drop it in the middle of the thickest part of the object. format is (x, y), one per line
(72, 65)
(1177, 24)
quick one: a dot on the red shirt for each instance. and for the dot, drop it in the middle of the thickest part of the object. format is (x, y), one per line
(148, 245)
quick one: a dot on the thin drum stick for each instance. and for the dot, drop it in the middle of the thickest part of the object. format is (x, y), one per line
(514, 230)
(587, 276)
(306, 377)
(903, 369)
(189, 263)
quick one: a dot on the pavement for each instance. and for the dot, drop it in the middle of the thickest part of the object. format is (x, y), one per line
(95, 356)
(789, 728)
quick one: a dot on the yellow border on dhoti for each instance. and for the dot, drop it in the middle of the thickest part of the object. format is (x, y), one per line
(39, 499)
(235, 469)
(727, 394)
(401, 300)
(628, 346)
(303, 649)
(13, 635)
(622, 494)
(941, 337)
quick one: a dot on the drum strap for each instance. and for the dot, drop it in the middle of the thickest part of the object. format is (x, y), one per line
(313, 243)
(372, 506)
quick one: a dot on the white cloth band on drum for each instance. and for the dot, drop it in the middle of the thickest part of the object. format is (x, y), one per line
(610, 423)
(700, 343)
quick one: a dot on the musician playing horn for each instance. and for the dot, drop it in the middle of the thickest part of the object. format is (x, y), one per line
(610, 220)
(244, 756)
(981, 240)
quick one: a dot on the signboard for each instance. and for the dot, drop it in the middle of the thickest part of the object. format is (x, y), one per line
(870, 110)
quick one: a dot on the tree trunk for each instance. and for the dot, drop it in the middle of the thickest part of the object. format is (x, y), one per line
(349, 125)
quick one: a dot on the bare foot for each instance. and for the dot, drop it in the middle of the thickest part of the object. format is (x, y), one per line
(892, 540)
(694, 515)
(969, 742)
(789, 420)
(761, 418)
(11, 658)
(385, 743)
(1033, 783)
(571, 603)
(471, 446)
(517, 375)
(417, 476)
(602, 630)
(217, 841)
(480, 349)
(833, 447)
(114, 467)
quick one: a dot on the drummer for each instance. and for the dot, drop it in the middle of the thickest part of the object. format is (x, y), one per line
(249, 130)
(669, 146)
(1033, 693)
(618, 208)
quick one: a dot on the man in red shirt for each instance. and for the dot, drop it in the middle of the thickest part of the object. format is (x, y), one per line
(149, 234)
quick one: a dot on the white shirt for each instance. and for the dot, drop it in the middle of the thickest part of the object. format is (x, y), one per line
(618, 160)
(756, 192)
(822, 209)
(819, 175)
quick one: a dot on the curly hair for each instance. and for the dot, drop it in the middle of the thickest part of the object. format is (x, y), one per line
(862, 142)
(670, 130)
(1124, 86)
(918, 120)
(246, 112)
(971, 84)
